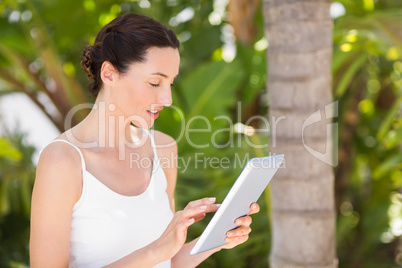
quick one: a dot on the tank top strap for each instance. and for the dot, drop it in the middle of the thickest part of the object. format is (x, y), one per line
(79, 151)
(152, 141)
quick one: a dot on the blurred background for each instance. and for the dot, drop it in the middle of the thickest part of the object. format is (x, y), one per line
(223, 72)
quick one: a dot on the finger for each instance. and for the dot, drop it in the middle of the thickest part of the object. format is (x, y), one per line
(200, 202)
(188, 222)
(241, 231)
(194, 211)
(236, 240)
(254, 208)
(199, 217)
(212, 208)
(244, 221)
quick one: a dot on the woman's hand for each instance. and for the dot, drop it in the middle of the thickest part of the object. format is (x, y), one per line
(240, 235)
(175, 234)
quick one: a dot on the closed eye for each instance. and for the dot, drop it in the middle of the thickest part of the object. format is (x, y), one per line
(154, 85)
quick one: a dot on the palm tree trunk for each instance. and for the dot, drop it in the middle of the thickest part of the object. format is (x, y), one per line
(299, 88)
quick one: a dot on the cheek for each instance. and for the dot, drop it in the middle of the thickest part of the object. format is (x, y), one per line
(135, 98)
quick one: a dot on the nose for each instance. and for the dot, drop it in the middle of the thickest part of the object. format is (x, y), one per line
(165, 98)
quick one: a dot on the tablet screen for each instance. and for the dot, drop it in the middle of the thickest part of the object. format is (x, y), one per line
(246, 190)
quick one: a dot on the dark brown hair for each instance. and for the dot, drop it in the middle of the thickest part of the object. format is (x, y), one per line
(122, 42)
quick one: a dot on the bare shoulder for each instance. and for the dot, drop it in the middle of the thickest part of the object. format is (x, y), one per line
(165, 143)
(59, 154)
(59, 167)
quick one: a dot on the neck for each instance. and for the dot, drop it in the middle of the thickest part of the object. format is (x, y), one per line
(110, 128)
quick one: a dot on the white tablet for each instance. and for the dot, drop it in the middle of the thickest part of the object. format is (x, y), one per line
(248, 187)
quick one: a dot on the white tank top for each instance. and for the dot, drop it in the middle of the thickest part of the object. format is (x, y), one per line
(107, 226)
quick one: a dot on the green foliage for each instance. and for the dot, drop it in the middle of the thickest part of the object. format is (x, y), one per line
(367, 82)
(8, 151)
(16, 181)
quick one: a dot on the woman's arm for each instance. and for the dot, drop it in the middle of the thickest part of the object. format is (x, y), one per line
(183, 258)
(167, 153)
(58, 185)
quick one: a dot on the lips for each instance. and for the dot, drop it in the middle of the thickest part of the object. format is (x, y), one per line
(153, 115)
(154, 112)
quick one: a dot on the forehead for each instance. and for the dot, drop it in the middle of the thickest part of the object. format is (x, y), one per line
(159, 60)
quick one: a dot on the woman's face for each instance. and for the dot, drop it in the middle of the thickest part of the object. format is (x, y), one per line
(143, 91)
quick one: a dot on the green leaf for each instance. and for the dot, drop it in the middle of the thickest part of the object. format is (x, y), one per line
(392, 138)
(202, 44)
(209, 93)
(340, 58)
(393, 162)
(387, 122)
(7, 150)
(212, 86)
(349, 74)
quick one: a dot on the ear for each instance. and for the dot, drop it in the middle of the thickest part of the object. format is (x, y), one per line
(108, 73)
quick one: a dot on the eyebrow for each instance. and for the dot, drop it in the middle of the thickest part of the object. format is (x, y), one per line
(163, 75)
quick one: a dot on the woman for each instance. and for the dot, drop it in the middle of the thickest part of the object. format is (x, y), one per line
(92, 205)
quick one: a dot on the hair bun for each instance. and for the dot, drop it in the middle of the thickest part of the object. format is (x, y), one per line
(86, 62)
